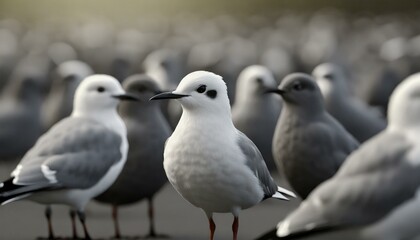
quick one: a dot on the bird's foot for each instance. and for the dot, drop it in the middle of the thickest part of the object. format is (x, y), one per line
(125, 238)
(156, 236)
(150, 236)
(50, 238)
(78, 238)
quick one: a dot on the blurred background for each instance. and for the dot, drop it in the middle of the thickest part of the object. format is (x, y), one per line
(376, 42)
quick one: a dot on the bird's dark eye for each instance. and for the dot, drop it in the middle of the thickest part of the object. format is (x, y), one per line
(164, 64)
(212, 94)
(201, 89)
(329, 76)
(141, 89)
(100, 89)
(298, 87)
(259, 80)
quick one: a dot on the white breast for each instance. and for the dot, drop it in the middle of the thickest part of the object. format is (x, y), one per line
(208, 169)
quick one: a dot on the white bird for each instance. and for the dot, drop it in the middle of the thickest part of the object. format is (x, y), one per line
(375, 179)
(79, 157)
(208, 161)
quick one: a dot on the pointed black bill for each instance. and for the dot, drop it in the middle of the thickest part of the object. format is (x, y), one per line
(276, 90)
(126, 97)
(168, 95)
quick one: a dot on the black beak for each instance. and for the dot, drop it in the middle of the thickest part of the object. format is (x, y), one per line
(168, 95)
(276, 91)
(126, 97)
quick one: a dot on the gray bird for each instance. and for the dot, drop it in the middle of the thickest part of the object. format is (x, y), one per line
(400, 224)
(164, 66)
(59, 102)
(20, 106)
(255, 113)
(309, 144)
(143, 174)
(360, 120)
(375, 179)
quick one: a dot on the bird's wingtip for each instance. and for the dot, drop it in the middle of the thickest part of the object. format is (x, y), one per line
(280, 196)
(285, 231)
(287, 192)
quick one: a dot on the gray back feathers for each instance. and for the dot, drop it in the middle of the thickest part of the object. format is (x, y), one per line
(257, 165)
(78, 151)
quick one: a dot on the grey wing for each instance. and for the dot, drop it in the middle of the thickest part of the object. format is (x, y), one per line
(371, 182)
(75, 153)
(255, 162)
(344, 141)
(401, 223)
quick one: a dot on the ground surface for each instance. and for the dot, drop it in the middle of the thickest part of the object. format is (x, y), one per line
(174, 217)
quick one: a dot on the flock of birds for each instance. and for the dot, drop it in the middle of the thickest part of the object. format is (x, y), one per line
(329, 101)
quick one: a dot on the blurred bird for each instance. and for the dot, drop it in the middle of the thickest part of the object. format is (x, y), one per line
(361, 121)
(381, 175)
(20, 107)
(143, 174)
(9, 53)
(61, 52)
(254, 112)
(163, 66)
(400, 224)
(308, 144)
(209, 162)
(59, 102)
(79, 157)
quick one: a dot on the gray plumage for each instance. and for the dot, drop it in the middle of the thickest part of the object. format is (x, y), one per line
(359, 119)
(255, 161)
(59, 102)
(79, 150)
(254, 112)
(375, 179)
(165, 67)
(308, 144)
(400, 224)
(147, 130)
(19, 113)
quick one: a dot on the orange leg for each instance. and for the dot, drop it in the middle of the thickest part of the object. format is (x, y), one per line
(235, 227)
(212, 226)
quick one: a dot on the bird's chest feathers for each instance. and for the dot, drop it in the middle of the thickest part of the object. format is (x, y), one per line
(289, 128)
(200, 154)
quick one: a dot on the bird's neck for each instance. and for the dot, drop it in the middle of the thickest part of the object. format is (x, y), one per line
(301, 114)
(196, 121)
(107, 117)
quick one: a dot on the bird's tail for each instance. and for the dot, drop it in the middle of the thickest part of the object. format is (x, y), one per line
(10, 192)
(281, 192)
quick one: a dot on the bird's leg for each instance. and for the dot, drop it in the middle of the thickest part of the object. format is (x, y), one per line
(48, 213)
(82, 218)
(212, 226)
(151, 214)
(235, 227)
(73, 223)
(116, 223)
